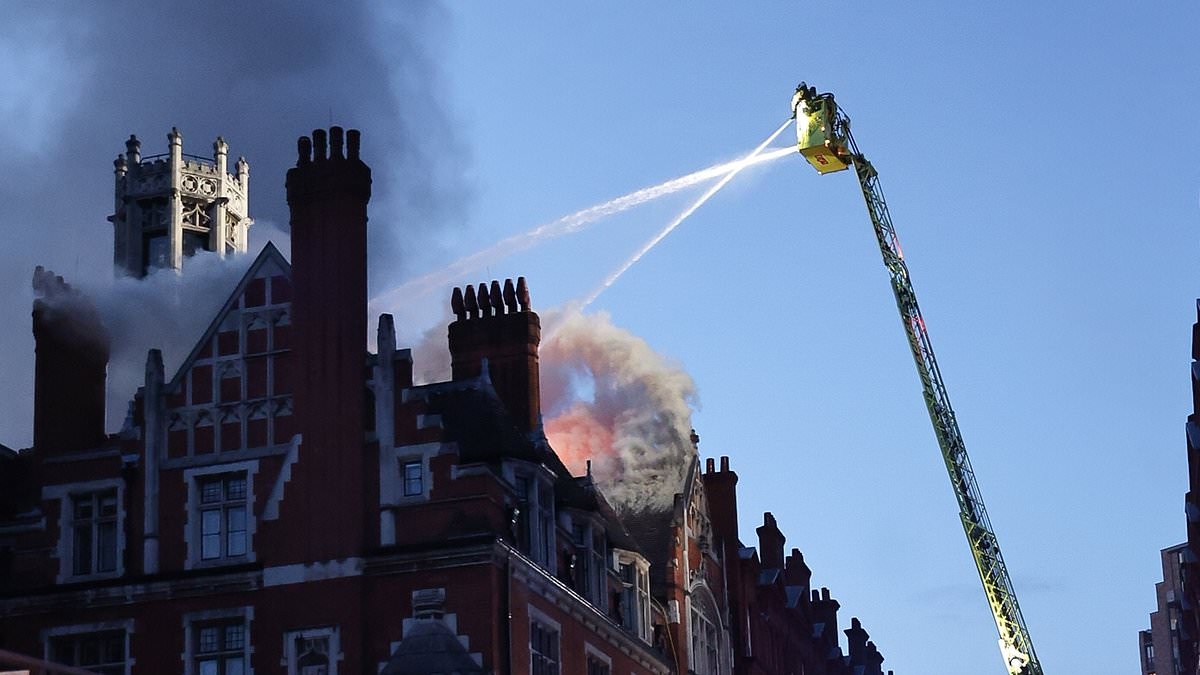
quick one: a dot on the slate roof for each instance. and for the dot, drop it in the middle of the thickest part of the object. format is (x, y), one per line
(652, 529)
(430, 648)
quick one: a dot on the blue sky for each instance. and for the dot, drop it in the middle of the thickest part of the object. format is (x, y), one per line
(1036, 160)
(1036, 163)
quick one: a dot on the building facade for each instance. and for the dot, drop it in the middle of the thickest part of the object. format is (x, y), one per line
(1163, 645)
(287, 502)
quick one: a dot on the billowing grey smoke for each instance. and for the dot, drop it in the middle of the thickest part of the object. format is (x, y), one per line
(76, 78)
(610, 398)
(167, 311)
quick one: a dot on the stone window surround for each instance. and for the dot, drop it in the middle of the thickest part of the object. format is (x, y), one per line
(702, 602)
(641, 573)
(391, 483)
(538, 616)
(84, 628)
(191, 525)
(64, 550)
(333, 633)
(590, 650)
(190, 619)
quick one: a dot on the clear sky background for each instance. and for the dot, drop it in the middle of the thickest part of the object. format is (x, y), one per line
(1038, 162)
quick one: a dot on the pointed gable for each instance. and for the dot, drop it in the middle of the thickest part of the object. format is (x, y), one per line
(234, 391)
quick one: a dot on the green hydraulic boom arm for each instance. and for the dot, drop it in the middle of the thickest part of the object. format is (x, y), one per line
(823, 131)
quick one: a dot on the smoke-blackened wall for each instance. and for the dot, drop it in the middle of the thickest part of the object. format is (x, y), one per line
(77, 78)
(610, 398)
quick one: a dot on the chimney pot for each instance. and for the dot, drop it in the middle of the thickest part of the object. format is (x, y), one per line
(510, 296)
(523, 294)
(709, 465)
(319, 145)
(471, 305)
(352, 141)
(456, 304)
(724, 462)
(303, 150)
(497, 299)
(485, 303)
(335, 143)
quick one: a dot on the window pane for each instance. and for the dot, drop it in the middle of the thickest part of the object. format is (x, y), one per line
(412, 479)
(210, 546)
(209, 639)
(89, 652)
(236, 517)
(210, 522)
(210, 491)
(237, 544)
(114, 649)
(235, 636)
(235, 488)
(83, 506)
(236, 539)
(234, 667)
(107, 535)
(83, 549)
(108, 504)
(208, 667)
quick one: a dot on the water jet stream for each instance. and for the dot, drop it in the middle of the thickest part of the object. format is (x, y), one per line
(735, 169)
(452, 273)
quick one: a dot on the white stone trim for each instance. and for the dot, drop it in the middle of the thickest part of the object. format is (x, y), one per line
(191, 533)
(541, 617)
(391, 483)
(246, 614)
(590, 649)
(85, 628)
(299, 573)
(271, 508)
(64, 549)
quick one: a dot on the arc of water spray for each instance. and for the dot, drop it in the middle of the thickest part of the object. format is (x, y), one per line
(565, 225)
(735, 169)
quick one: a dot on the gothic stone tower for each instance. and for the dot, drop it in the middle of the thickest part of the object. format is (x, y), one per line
(169, 206)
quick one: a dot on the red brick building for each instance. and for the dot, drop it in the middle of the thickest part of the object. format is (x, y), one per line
(286, 502)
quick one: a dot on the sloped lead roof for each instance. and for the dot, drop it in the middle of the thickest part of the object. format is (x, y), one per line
(430, 648)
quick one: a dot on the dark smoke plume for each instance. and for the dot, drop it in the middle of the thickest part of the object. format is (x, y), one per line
(76, 78)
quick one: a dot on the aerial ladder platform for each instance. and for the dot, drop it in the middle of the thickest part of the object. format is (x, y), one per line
(824, 139)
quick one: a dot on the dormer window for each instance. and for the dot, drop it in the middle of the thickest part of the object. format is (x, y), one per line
(590, 554)
(635, 594)
(535, 517)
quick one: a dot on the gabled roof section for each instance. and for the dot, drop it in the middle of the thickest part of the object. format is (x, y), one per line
(269, 256)
(430, 647)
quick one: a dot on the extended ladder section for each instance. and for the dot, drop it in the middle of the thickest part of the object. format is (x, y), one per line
(823, 131)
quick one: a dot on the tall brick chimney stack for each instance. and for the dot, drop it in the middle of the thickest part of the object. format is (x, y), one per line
(327, 193)
(796, 571)
(770, 543)
(499, 325)
(721, 488)
(856, 642)
(824, 611)
(70, 370)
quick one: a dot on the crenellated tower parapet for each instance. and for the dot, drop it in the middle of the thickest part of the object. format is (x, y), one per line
(169, 206)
